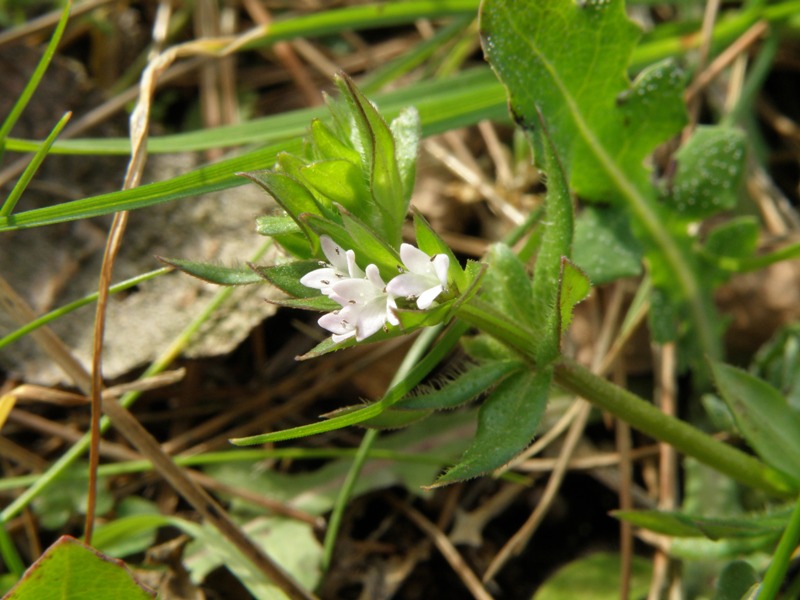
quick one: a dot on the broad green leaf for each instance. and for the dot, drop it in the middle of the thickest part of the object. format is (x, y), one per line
(762, 416)
(737, 238)
(71, 569)
(555, 246)
(598, 120)
(218, 274)
(703, 549)
(411, 457)
(507, 422)
(677, 524)
(605, 248)
(133, 529)
(67, 498)
(291, 543)
(287, 277)
(736, 581)
(507, 286)
(710, 167)
(573, 288)
(595, 577)
(729, 245)
(603, 127)
(475, 380)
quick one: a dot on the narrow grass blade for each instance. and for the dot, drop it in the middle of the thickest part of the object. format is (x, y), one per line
(36, 77)
(30, 170)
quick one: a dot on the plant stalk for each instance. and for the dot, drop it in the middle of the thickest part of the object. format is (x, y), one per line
(634, 410)
(683, 437)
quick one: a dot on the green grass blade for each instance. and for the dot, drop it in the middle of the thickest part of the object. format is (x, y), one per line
(35, 78)
(68, 308)
(443, 105)
(33, 166)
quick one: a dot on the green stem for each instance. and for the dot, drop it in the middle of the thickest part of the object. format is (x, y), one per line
(634, 410)
(774, 577)
(482, 315)
(683, 437)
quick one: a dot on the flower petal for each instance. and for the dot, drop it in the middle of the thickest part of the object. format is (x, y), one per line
(352, 268)
(320, 278)
(441, 264)
(414, 259)
(374, 277)
(334, 253)
(371, 318)
(391, 314)
(408, 285)
(353, 291)
(427, 297)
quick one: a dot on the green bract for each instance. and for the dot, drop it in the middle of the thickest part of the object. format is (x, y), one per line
(356, 172)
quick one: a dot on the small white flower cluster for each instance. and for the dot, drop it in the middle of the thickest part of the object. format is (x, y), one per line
(367, 302)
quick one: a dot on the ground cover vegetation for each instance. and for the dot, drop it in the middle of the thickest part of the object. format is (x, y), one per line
(396, 300)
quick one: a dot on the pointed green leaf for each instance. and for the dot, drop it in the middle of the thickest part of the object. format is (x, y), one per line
(710, 167)
(412, 319)
(574, 287)
(371, 246)
(328, 145)
(507, 422)
(388, 419)
(295, 244)
(555, 246)
(475, 380)
(379, 160)
(762, 416)
(291, 195)
(406, 131)
(507, 286)
(678, 524)
(270, 225)
(287, 277)
(483, 347)
(315, 303)
(214, 273)
(429, 242)
(342, 182)
(71, 569)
